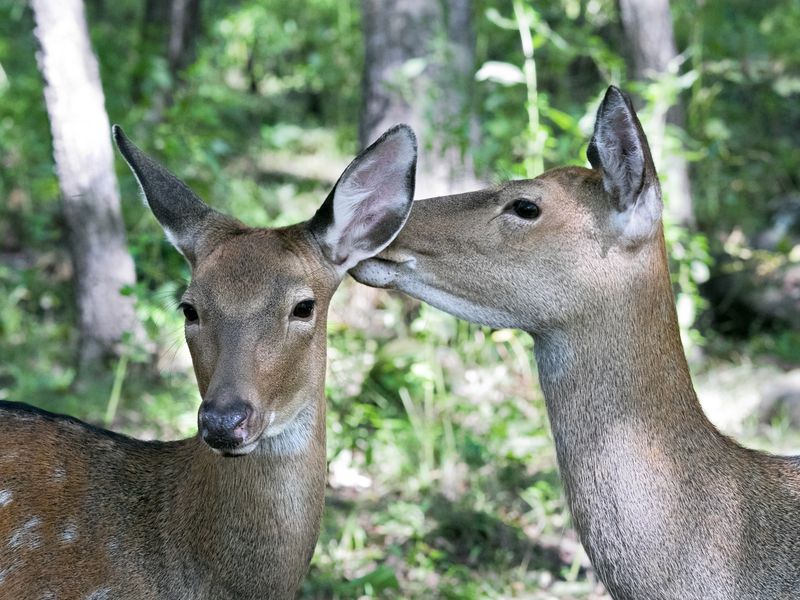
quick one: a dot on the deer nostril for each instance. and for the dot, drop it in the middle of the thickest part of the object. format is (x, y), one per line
(236, 417)
(224, 426)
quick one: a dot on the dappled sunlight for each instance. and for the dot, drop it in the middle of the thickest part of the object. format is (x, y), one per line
(442, 473)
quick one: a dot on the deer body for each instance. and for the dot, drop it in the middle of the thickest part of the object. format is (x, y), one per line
(162, 520)
(234, 512)
(665, 505)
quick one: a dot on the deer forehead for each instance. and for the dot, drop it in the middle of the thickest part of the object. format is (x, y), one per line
(566, 191)
(571, 186)
(259, 269)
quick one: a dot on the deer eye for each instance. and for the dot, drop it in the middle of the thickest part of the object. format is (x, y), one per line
(189, 312)
(303, 309)
(525, 209)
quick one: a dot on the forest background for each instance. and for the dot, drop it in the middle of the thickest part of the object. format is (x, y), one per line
(443, 480)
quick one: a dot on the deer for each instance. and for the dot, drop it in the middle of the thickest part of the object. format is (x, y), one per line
(666, 506)
(233, 512)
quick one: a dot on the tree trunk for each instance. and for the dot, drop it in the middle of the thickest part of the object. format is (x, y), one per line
(84, 163)
(169, 28)
(418, 69)
(184, 27)
(647, 25)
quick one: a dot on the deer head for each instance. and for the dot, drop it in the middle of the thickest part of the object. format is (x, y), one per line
(257, 303)
(538, 254)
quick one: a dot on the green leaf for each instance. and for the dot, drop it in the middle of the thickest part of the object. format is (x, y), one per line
(500, 72)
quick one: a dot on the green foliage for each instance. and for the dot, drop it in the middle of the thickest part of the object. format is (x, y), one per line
(443, 474)
(743, 108)
(546, 115)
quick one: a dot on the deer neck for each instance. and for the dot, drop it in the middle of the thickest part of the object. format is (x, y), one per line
(237, 510)
(622, 365)
(294, 457)
(621, 403)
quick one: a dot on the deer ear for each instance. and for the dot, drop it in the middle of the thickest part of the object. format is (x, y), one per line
(620, 151)
(371, 201)
(187, 221)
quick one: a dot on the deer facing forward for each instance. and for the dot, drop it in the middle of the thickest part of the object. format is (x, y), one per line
(234, 512)
(665, 505)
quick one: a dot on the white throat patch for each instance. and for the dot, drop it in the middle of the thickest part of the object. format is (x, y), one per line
(296, 436)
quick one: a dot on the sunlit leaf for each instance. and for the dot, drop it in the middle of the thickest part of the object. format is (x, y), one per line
(500, 72)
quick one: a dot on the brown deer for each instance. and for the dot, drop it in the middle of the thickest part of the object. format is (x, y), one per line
(234, 512)
(666, 506)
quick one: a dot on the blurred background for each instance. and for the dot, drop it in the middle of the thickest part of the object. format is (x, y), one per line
(443, 480)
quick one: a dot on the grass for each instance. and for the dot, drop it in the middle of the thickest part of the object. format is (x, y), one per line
(450, 486)
(443, 480)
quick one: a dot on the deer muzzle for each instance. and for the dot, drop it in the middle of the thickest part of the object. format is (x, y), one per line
(381, 272)
(225, 425)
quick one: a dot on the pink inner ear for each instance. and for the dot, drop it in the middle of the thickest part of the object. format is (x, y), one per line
(389, 159)
(372, 199)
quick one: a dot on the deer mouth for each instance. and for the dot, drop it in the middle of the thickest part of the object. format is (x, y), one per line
(242, 450)
(248, 445)
(382, 272)
(243, 441)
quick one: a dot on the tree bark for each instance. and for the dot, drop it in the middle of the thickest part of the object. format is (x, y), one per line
(84, 163)
(184, 27)
(647, 25)
(419, 68)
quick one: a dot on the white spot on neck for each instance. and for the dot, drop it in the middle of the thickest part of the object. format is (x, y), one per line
(296, 436)
(100, 594)
(112, 547)
(5, 497)
(554, 356)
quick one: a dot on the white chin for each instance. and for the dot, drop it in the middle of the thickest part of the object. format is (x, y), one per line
(375, 273)
(241, 450)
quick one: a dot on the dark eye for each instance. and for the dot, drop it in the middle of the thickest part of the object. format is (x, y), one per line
(189, 312)
(303, 309)
(525, 209)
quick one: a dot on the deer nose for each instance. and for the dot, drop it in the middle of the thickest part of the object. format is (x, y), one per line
(223, 426)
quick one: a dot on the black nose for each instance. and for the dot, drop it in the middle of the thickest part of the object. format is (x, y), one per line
(223, 425)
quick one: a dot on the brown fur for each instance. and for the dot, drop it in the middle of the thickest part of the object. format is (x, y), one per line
(665, 505)
(91, 512)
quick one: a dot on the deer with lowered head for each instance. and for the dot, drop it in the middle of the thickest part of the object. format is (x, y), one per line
(234, 512)
(666, 506)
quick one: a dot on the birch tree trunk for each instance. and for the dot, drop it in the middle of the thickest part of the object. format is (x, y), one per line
(419, 68)
(647, 25)
(84, 163)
